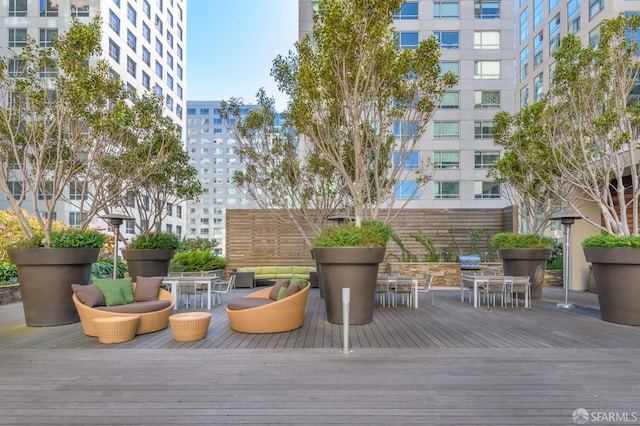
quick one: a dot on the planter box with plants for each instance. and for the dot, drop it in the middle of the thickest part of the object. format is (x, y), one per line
(524, 255)
(149, 255)
(45, 274)
(349, 257)
(616, 269)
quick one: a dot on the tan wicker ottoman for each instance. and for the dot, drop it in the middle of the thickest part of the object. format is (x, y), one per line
(189, 326)
(117, 329)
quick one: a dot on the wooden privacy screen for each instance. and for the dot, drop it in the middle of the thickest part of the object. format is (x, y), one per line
(253, 237)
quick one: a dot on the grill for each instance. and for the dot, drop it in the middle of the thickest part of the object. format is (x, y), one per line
(471, 262)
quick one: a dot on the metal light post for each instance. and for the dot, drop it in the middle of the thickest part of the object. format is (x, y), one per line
(567, 220)
(115, 220)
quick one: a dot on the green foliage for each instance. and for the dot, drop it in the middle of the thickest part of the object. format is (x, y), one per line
(196, 260)
(350, 84)
(156, 240)
(406, 256)
(199, 244)
(427, 242)
(608, 240)
(66, 238)
(556, 261)
(369, 234)
(476, 235)
(8, 273)
(103, 268)
(508, 240)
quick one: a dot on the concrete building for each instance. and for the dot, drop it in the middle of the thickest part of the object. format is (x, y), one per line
(211, 149)
(144, 42)
(476, 39)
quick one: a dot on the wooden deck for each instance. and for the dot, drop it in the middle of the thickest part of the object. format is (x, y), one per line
(448, 364)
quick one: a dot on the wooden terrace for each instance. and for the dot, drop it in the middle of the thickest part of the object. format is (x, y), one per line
(447, 364)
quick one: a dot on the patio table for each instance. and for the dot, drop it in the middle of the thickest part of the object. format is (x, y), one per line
(174, 281)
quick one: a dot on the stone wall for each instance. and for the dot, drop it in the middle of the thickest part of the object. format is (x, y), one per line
(448, 274)
(10, 294)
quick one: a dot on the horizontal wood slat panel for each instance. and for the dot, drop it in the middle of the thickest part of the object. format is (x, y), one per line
(253, 237)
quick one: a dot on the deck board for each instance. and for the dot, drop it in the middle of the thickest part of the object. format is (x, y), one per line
(451, 364)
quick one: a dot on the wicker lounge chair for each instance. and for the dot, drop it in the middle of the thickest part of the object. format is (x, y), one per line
(149, 321)
(273, 317)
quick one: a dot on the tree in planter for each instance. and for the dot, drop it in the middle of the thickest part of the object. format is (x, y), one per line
(360, 101)
(66, 129)
(303, 191)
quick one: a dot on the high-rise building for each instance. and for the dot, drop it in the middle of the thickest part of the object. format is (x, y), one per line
(477, 44)
(211, 148)
(540, 25)
(144, 42)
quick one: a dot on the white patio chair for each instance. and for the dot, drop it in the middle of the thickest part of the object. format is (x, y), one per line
(223, 287)
(426, 287)
(492, 287)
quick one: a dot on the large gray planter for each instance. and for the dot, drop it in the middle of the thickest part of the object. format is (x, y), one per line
(526, 262)
(616, 271)
(45, 275)
(148, 262)
(355, 268)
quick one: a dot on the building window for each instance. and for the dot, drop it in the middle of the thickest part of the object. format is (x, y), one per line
(486, 190)
(114, 50)
(446, 190)
(486, 69)
(146, 81)
(408, 10)
(554, 34)
(16, 68)
(594, 37)
(553, 4)
(159, 47)
(17, 37)
(595, 6)
(75, 219)
(132, 15)
(448, 39)
(49, 7)
(158, 22)
(17, 7)
(407, 190)
(15, 188)
(158, 69)
(538, 87)
(170, 60)
(47, 35)
(146, 56)
(179, 52)
(446, 159)
(146, 32)
(79, 7)
(75, 191)
(538, 12)
(486, 40)
(146, 8)
(524, 97)
(452, 67)
(169, 81)
(483, 129)
(446, 129)
(524, 63)
(406, 160)
(131, 66)
(405, 129)
(573, 16)
(483, 9)
(129, 226)
(179, 211)
(169, 102)
(170, 39)
(524, 25)
(450, 100)
(114, 22)
(132, 42)
(487, 99)
(407, 40)
(169, 228)
(485, 159)
(179, 30)
(537, 49)
(446, 10)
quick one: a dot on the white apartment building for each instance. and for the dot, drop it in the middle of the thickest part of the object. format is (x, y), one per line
(477, 43)
(211, 149)
(541, 24)
(144, 41)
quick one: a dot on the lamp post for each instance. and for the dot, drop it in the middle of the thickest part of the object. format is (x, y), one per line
(567, 219)
(115, 220)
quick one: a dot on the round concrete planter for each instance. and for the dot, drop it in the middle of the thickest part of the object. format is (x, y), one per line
(45, 275)
(616, 271)
(148, 262)
(355, 268)
(526, 262)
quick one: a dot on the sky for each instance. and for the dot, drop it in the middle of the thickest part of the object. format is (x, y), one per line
(231, 45)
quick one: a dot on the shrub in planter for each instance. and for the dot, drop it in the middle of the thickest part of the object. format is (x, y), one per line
(369, 234)
(510, 240)
(8, 273)
(155, 240)
(196, 260)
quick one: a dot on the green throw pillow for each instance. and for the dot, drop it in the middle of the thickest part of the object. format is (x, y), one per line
(125, 284)
(302, 280)
(281, 292)
(114, 296)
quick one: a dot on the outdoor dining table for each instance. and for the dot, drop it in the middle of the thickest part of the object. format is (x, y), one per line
(392, 286)
(473, 282)
(209, 280)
